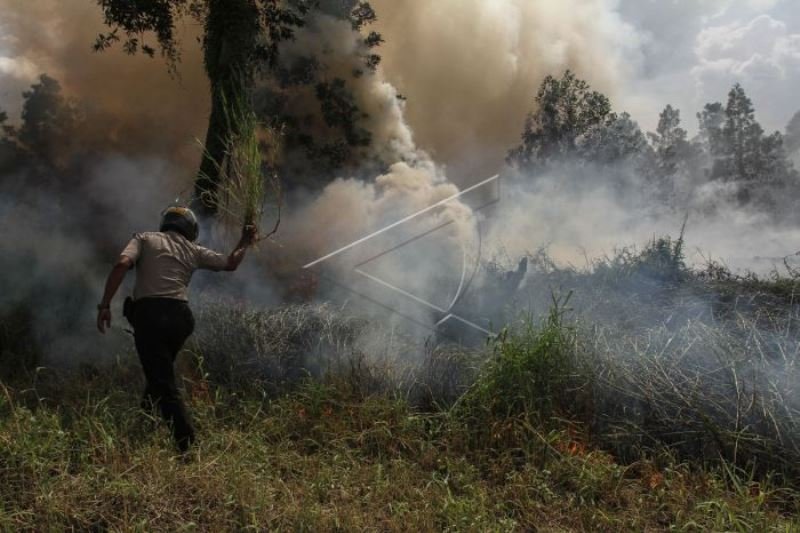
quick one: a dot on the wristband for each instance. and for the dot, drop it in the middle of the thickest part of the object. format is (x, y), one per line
(101, 307)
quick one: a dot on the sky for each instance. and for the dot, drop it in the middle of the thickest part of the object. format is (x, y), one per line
(693, 51)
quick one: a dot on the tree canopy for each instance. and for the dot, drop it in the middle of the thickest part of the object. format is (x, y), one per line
(566, 110)
(241, 39)
(572, 124)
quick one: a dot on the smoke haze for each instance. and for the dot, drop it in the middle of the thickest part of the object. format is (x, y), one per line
(469, 70)
(131, 102)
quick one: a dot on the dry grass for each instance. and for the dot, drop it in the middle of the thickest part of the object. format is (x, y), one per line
(320, 459)
(635, 405)
(701, 361)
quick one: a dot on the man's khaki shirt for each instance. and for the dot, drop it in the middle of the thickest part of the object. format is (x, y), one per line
(165, 263)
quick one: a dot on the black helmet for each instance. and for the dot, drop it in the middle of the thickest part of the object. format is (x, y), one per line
(180, 219)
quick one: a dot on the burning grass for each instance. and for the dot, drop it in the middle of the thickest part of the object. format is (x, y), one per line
(649, 399)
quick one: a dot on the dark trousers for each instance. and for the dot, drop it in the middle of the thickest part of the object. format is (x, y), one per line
(161, 326)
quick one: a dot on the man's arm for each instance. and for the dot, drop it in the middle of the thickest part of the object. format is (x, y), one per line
(249, 234)
(115, 277)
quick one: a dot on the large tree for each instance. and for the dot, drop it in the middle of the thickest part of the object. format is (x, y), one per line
(48, 130)
(240, 39)
(676, 160)
(669, 142)
(740, 151)
(566, 110)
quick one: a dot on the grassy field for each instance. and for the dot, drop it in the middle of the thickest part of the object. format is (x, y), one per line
(589, 416)
(322, 459)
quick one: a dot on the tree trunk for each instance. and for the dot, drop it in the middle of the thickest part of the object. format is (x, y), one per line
(231, 34)
(208, 178)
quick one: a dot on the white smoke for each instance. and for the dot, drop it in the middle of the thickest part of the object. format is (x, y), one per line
(471, 68)
(349, 209)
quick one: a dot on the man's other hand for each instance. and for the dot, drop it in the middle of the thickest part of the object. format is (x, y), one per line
(103, 320)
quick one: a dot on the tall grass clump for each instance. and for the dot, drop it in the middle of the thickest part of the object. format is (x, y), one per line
(697, 360)
(249, 182)
(242, 348)
(662, 260)
(534, 377)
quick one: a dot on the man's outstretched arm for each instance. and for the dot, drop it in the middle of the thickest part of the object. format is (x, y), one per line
(113, 282)
(249, 235)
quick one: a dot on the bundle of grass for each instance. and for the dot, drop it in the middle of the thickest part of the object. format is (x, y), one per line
(249, 185)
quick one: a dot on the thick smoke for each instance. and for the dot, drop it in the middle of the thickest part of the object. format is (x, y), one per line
(457, 78)
(349, 209)
(471, 68)
(131, 102)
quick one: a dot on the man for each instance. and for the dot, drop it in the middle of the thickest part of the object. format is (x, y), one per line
(160, 314)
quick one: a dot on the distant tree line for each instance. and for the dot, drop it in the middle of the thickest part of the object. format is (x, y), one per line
(43, 144)
(573, 125)
(730, 159)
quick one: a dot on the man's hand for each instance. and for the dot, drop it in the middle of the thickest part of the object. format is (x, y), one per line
(103, 319)
(249, 235)
(249, 238)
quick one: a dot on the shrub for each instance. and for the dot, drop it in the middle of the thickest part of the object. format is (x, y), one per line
(534, 377)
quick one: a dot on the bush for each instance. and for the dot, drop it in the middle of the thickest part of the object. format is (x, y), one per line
(535, 377)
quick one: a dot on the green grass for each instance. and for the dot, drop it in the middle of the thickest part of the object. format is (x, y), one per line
(326, 454)
(654, 398)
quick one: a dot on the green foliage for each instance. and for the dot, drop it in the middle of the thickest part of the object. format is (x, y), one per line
(674, 156)
(743, 154)
(574, 128)
(566, 110)
(618, 141)
(340, 111)
(662, 260)
(529, 374)
(49, 122)
(333, 139)
(259, 25)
